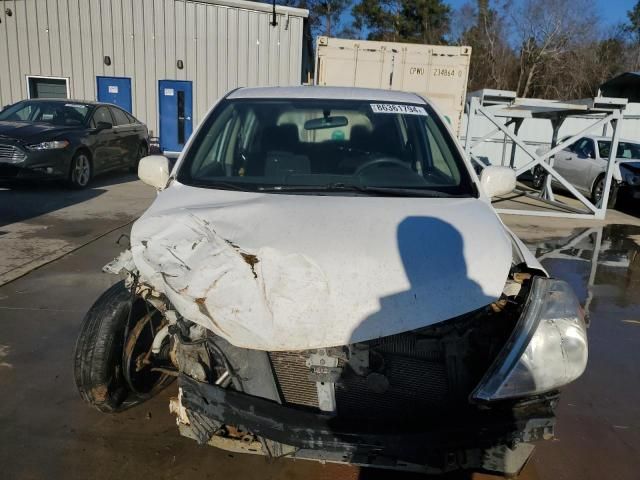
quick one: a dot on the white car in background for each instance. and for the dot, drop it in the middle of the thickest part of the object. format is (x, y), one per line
(584, 165)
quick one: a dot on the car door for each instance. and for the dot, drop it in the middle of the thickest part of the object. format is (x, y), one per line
(104, 144)
(561, 159)
(573, 164)
(126, 136)
(587, 165)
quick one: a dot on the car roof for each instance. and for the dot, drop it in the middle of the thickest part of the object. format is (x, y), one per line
(68, 100)
(327, 93)
(608, 139)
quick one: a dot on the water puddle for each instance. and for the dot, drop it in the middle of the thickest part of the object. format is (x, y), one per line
(602, 264)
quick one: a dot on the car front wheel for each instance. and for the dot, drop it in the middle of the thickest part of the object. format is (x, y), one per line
(112, 361)
(598, 190)
(80, 171)
(539, 177)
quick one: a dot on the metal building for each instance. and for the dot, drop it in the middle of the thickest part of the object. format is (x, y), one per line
(166, 61)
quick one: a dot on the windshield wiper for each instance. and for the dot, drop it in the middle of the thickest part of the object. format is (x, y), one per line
(406, 192)
(222, 186)
(342, 187)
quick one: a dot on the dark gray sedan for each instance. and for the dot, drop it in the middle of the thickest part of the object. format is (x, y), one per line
(69, 140)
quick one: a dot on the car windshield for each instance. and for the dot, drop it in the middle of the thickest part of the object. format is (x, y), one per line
(625, 150)
(297, 145)
(53, 112)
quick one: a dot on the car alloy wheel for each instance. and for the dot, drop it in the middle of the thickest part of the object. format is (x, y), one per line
(598, 191)
(539, 176)
(81, 170)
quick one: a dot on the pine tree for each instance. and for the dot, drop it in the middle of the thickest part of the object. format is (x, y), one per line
(417, 21)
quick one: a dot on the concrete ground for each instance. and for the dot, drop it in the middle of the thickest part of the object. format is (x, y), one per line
(47, 432)
(42, 222)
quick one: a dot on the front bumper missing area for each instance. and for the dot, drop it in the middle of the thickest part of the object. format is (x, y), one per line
(491, 441)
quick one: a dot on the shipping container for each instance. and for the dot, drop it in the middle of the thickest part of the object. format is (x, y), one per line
(438, 73)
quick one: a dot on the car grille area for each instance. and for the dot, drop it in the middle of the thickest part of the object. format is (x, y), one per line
(11, 154)
(401, 381)
(415, 387)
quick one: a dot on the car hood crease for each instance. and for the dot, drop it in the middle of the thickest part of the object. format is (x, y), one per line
(292, 272)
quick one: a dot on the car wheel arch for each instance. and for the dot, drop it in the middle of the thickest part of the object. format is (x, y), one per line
(87, 151)
(613, 191)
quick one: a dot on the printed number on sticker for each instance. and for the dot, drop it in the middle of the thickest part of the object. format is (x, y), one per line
(397, 108)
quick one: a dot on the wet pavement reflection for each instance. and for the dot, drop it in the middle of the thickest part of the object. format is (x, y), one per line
(598, 426)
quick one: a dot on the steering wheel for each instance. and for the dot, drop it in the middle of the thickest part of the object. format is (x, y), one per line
(382, 161)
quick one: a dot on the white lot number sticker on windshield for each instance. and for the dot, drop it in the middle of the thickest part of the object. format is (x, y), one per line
(398, 108)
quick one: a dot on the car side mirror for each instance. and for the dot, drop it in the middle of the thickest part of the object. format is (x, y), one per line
(154, 170)
(497, 181)
(103, 126)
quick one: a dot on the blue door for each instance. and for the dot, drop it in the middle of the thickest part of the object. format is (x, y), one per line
(116, 90)
(175, 101)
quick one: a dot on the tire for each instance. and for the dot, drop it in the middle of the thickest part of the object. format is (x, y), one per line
(539, 177)
(143, 151)
(80, 171)
(98, 357)
(597, 190)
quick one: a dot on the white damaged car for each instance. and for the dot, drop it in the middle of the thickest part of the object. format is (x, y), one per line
(323, 273)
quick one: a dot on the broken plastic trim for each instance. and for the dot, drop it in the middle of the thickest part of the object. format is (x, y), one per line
(547, 349)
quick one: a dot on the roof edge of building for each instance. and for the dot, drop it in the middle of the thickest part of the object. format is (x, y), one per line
(262, 7)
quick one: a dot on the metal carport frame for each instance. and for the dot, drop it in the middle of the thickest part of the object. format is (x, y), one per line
(497, 105)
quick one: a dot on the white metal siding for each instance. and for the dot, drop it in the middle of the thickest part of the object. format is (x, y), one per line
(223, 45)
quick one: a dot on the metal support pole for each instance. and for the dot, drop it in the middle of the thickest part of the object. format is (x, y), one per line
(592, 274)
(613, 153)
(547, 191)
(516, 130)
(504, 149)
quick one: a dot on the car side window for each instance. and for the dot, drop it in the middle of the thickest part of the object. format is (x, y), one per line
(101, 115)
(589, 149)
(584, 148)
(119, 116)
(569, 148)
(131, 118)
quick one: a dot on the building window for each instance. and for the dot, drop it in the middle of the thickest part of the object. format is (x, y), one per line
(48, 87)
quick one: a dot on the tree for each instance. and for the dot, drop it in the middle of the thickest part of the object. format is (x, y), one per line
(324, 15)
(633, 28)
(493, 62)
(634, 23)
(416, 21)
(329, 12)
(548, 30)
(424, 21)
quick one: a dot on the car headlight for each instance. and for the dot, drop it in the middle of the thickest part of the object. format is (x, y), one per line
(52, 145)
(547, 349)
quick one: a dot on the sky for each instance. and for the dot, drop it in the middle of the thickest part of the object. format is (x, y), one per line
(613, 11)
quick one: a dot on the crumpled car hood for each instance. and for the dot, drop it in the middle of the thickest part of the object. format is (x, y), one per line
(288, 272)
